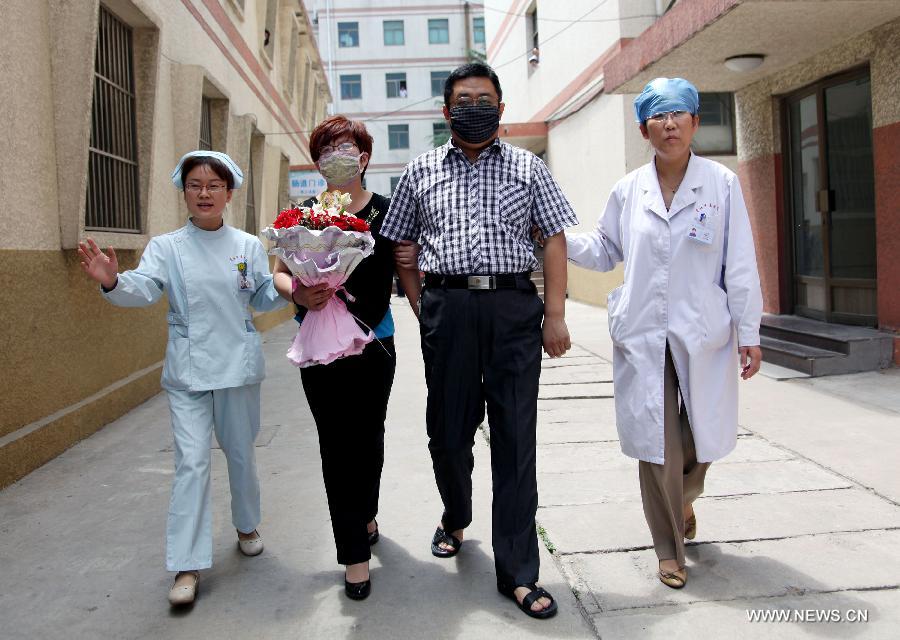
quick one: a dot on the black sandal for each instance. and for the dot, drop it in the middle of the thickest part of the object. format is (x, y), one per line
(536, 593)
(441, 536)
(373, 537)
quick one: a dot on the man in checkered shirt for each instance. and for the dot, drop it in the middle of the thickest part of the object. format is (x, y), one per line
(471, 205)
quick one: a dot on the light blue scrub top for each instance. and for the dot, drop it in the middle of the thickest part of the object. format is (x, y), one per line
(212, 278)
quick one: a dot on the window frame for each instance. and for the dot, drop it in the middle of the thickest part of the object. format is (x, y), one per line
(394, 31)
(433, 28)
(400, 82)
(347, 78)
(730, 114)
(439, 127)
(397, 129)
(478, 29)
(355, 29)
(443, 79)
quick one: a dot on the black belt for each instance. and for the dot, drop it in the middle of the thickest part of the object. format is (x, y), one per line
(480, 282)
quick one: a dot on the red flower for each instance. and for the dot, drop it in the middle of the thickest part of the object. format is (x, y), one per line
(318, 221)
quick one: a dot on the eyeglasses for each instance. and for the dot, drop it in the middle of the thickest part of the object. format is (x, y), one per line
(212, 189)
(331, 148)
(664, 116)
(482, 101)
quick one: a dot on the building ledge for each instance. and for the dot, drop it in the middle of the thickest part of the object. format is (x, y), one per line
(528, 135)
(694, 38)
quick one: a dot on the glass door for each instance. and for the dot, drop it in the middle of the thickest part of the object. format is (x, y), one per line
(831, 199)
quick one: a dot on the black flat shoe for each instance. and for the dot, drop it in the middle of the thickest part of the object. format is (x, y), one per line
(358, 590)
(536, 593)
(447, 538)
(373, 537)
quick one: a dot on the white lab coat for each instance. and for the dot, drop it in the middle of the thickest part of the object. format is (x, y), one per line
(213, 343)
(677, 289)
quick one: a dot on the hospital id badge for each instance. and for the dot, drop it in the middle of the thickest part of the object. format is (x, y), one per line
(702, 229)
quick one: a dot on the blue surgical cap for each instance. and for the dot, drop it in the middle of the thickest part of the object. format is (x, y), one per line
(235, 170)
(666, 94)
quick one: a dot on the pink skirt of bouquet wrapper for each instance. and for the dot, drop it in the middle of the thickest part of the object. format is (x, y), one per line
(327, 335)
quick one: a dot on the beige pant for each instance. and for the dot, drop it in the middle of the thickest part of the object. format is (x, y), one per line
(666, 488)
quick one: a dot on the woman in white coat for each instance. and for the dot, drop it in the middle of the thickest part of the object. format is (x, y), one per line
(214, 364)
(689, 306)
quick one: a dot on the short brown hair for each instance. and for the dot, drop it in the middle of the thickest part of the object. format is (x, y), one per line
(334, 127)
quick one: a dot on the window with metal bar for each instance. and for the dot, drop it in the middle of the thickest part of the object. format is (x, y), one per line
(205, 125)
(112, 192)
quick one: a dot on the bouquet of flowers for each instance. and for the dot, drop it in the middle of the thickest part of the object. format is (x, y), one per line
(323, 243)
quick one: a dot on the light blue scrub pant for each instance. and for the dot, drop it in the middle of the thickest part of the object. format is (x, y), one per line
(234, 413)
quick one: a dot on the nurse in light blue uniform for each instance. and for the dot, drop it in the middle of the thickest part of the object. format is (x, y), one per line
(212, 274)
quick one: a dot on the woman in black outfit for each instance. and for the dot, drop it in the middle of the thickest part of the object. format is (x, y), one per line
(351, 430)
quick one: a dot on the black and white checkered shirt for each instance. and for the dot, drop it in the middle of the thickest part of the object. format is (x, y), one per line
(476, 218)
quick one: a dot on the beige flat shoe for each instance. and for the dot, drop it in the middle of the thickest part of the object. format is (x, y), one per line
(673, 580)
(251, 547)
(183, 594)
(690, 527)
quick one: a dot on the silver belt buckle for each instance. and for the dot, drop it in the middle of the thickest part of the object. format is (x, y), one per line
(481, 282)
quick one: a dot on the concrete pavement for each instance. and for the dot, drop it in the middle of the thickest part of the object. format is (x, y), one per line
(803, 516)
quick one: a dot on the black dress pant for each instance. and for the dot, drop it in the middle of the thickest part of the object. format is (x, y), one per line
(348, 399)
(485, 347)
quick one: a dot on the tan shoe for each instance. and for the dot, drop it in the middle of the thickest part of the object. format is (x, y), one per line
(673, 579)
(690, 527)
(186, 592)
(251, 546)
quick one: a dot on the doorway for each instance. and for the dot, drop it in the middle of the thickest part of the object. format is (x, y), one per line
(831, 199)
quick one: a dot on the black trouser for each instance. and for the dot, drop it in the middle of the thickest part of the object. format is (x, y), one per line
(485, 346)
(348, 399)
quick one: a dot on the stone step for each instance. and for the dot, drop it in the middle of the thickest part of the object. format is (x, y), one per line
(799, 357)
(821, 348)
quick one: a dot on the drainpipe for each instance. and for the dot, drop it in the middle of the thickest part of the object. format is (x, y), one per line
(467, 13)
(335, 91)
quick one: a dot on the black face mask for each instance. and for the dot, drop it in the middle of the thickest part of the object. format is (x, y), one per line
(473, 123)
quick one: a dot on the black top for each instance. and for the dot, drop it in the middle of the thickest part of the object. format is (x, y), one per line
(372, 280)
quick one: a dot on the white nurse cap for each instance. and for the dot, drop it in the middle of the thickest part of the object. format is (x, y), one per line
(235, 170)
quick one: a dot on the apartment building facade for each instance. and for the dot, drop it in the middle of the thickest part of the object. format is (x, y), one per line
(102, 98)
(386, 61)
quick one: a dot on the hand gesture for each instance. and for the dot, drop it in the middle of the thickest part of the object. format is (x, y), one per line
(101, 267)
(406, 254)
(754, 355)
(313, 298)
